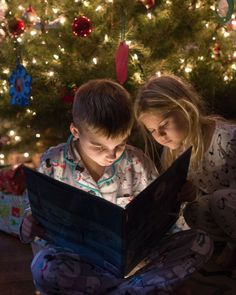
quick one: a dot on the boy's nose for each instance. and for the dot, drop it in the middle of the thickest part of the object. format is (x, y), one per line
(111, 155)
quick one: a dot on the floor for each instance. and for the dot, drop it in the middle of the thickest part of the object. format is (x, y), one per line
(15, 258)
(15, 276)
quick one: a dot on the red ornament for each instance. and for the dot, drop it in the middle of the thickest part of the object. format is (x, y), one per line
(82, 26)
(121, 59)
(149, 4)
(16, 26)
(69, 94)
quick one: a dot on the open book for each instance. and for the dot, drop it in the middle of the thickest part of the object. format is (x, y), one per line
(106, 234)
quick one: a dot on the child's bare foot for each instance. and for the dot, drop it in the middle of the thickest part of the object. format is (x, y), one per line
(227, 258)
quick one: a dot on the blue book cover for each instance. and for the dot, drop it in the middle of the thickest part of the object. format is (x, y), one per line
(104, 233)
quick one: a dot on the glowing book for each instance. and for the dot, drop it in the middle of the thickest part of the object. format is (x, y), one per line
(106, 234)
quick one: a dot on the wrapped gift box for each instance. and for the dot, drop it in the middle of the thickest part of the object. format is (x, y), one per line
(11, 211)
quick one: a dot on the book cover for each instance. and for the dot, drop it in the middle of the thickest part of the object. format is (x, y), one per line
(104, 233)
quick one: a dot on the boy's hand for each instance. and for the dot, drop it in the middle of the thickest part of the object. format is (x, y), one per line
(188, 192)
(30, 228)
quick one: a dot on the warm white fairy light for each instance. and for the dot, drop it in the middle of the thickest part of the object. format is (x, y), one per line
(106, 38)
(233, 67)
(2, 156)
(2, 162)
(188, 69)
(99, 8)
(76, 1)
(128, 42)
(207, 25)
(137, 77)
(6, 71)
(212, 7)
(11, 132)
(55, 10)
(226, 34)
(62, 20)
(86, 3)
(26, 155)
(25, 63)
(95, 60)
(158, 74)
(34, 61)
(182, 60)
(149, 15)
(201, 57)
(37, 135)
(51, 73)
(226, 78)
(135, 57)
(31, 97)
(233, 23)
(198, 5)
(20, 7)
(33, 32)
(17, 138)
(43, 42)
(46, 62)
(213, 38)
(19, 39)
(234, 54)
(55, 56)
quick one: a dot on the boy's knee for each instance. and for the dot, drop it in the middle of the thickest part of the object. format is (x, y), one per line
(41, 266)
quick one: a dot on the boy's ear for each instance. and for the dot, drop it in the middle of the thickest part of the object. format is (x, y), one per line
(74, 131)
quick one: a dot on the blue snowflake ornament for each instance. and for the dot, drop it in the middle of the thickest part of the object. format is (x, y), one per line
(19, 83)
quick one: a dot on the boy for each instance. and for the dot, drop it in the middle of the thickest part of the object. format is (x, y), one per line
(97, 159)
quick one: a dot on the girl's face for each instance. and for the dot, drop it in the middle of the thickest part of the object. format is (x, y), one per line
(169, 129)
(96, 147)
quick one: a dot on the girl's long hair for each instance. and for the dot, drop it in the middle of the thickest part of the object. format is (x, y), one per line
(169, 93)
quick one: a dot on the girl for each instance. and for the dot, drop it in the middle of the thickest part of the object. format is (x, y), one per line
(171, 113)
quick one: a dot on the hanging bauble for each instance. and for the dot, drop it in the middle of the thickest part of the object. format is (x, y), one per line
(217, 51)
(30, 15)
(121, 60)
(19, 83)
(224, 10)
(69, 93)
(149, 4)
(16, 26)
(82, 26)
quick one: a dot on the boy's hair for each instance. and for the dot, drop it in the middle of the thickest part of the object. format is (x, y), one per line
(104, 106)
(169, 93)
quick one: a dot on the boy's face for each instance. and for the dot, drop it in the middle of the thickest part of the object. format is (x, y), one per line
(169, 130)
(96, 147)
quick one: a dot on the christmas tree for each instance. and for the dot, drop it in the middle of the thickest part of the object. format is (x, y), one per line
(62, 44)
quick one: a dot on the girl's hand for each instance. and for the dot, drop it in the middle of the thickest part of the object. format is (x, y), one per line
(30, 228)
(188, 192)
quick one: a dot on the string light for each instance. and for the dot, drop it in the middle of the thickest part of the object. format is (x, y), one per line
(2, 156)
(11, 132)
(95, 61)
(37, 135)
(26, 155)
(149, 15)
(6, 71)
(17, 138)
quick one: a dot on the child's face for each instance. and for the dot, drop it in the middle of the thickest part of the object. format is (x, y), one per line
(169, 130)
(100, 149)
